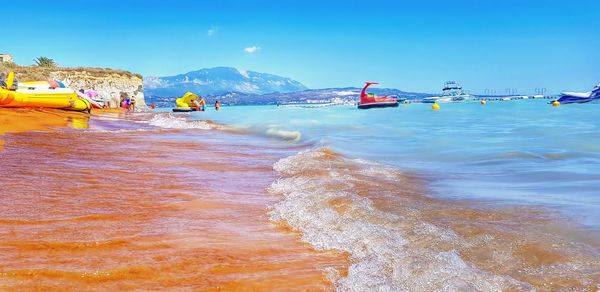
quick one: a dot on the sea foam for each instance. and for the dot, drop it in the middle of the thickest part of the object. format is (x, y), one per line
(324, 199)
(170, 121)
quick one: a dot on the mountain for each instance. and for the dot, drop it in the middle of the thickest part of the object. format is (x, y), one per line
(219, 80)
(349, 94)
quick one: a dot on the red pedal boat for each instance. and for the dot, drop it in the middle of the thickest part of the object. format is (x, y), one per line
(368, 100)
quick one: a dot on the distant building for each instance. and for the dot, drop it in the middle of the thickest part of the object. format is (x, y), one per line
(4, 58)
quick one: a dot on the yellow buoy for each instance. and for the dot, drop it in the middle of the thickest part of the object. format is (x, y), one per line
(435, 106)
(483, 102)
(555, 103)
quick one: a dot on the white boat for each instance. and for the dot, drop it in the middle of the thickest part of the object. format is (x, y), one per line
(581, 97)
(452, 92)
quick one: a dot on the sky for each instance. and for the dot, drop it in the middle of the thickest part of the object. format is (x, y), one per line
(487, 46)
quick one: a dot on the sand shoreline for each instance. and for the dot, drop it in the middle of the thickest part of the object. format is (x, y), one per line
(173, 208)
(136, 215)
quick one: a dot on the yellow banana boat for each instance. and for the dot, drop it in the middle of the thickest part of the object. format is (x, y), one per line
(59, 98)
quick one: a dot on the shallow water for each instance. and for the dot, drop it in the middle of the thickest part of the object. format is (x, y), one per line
(517, 152)
(266, 198)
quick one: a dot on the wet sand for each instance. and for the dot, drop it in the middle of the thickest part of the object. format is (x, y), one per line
(141, 210)
(108, 202)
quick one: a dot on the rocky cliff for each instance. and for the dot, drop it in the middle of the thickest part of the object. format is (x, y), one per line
(109, 83)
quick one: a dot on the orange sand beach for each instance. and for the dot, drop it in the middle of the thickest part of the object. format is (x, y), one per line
(105, 202)
(105, 211)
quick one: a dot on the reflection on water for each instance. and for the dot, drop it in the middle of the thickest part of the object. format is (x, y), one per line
(15, 120)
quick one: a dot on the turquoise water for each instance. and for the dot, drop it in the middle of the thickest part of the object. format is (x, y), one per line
(513, 152)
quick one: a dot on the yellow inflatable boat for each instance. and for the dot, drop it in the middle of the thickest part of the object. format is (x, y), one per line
(186, 103)
(48, 97)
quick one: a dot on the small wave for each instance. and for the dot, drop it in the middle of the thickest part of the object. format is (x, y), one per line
(331, 216)
(118, 131)
(377, 215)
(170, 121)
(283, 134)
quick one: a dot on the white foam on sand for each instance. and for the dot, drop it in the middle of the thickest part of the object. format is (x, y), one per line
(389, 252)
(170, 121)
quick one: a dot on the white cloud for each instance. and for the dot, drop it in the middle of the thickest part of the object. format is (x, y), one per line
(252, 49)
(211, 31)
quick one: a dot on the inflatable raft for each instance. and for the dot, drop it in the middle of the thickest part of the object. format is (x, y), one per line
(186, 103)
(368, 100)
(28, 95)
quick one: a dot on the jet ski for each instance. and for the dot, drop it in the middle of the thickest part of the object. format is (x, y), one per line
(369, 100)
(581, 97)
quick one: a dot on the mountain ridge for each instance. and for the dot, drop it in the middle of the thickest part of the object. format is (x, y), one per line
(220, 80)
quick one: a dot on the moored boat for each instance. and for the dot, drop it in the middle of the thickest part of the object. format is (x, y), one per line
(452, 92)
(581, 97)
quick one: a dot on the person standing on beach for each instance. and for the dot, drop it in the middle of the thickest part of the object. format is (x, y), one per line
(217, 105)
(132, 103)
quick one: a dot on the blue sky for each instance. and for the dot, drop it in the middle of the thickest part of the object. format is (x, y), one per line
(410, 45)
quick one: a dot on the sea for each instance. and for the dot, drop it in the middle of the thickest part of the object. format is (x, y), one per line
(497, 197)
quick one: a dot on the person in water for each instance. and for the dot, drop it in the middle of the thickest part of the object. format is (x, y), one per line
(217, 105)
(202, 103)
(196, 104)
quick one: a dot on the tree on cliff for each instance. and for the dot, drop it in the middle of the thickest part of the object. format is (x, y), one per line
(45, 62)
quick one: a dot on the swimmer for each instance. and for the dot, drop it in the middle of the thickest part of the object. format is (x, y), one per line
(217, 105)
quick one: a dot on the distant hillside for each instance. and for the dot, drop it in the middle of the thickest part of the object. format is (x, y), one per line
(220, 80)
(237, 98)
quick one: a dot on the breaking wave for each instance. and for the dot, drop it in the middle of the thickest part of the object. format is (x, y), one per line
(170, 121)
(399, 239)
(283, 134)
